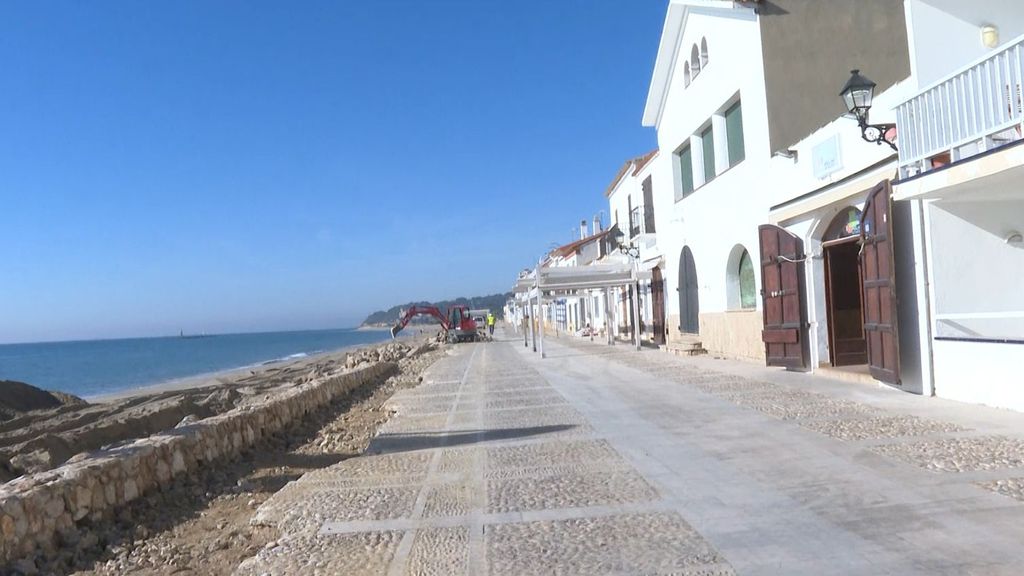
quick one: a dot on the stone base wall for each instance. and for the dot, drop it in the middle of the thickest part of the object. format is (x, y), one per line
(728, 334)
(733, 334)
(36, 509)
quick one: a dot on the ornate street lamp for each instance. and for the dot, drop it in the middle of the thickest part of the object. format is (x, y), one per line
(857, 95)
(627, 249)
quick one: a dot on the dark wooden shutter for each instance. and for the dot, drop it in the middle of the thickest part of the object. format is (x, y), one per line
(648, 189)
(785, 331)
(879, 276)
(658, 305)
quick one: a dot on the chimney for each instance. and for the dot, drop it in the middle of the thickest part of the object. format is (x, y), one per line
(583, 229)
(597, 224)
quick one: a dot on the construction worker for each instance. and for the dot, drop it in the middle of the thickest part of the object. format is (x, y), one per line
(490, 324)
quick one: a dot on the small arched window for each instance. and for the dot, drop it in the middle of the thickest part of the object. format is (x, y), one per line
(694, 61)
(703, 52)
(748, 297)
(741, 293)
(686, 74)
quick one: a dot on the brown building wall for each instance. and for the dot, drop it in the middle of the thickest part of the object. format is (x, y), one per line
(809, 48)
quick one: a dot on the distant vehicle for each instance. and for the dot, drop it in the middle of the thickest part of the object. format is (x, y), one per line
(480, 318)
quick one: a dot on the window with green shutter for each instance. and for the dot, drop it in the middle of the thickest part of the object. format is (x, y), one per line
(685, 172)
(707, 140)
(748, 293)
(734, 134)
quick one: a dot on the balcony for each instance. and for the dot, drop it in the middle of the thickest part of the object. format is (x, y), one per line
(974, 110)
(637, 223)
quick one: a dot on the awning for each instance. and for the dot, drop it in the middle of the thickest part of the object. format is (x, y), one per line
(568, 279)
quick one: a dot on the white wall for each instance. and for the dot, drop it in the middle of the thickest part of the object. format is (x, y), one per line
(726, 211)
(945, 35)
(975, 272)
(979, 372)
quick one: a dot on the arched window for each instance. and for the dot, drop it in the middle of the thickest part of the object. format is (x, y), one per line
(694, 61)
(748, 296)
(741, 292)
(686, 74)
(703, 52)
(844, 225)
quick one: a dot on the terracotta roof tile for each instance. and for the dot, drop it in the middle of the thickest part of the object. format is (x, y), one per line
(636, 164)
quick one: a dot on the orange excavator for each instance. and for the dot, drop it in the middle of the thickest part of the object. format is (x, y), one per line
(457, 325)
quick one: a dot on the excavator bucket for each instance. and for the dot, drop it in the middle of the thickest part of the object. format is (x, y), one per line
(396, 329)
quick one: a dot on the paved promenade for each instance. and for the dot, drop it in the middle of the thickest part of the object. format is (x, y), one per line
(602, 460)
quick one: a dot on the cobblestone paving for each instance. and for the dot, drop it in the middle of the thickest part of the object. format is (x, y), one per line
(840, 419)
(483, 440)
(959, 454)
(628, 544)
(886, 427)
(1012, 487)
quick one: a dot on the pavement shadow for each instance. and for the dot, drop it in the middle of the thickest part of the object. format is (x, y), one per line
(392, 443)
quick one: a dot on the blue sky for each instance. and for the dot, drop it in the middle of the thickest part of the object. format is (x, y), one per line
(236, 166)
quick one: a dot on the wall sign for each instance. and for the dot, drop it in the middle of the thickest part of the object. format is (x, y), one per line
(826, 158)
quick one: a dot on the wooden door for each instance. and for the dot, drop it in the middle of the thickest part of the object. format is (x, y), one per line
(785, 333)
(689, 302)
(658, 306)
(878, 274)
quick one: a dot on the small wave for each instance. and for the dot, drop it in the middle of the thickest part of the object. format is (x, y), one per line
(285, 359)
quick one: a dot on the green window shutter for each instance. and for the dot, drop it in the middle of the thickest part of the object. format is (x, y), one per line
(734, 134)
(707, 139)
(748, 294)
(686, 172)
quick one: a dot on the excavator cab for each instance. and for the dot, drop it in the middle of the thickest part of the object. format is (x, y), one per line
(461, 327)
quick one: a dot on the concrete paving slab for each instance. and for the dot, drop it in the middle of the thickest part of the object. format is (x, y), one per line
(603, 460)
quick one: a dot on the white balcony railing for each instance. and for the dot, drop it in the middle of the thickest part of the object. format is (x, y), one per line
(638, 222)
(977, 108)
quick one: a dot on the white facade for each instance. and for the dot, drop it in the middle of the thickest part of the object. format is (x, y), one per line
(631, 210)
(961, 163)
(717, 220)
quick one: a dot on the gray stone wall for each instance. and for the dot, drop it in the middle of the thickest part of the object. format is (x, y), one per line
(36, 509)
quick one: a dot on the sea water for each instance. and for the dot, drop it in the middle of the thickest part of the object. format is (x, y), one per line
(94, 367)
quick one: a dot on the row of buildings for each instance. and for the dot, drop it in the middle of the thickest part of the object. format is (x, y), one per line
(877, 235)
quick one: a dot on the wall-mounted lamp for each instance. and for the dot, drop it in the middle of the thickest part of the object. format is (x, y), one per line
(989, 36)
(1015, 239)
(857, 94)
(627, 249)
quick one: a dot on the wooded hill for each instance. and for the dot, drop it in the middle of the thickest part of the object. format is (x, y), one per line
(495, 303)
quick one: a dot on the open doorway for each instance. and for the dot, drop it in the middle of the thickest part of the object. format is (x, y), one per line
(843, 296)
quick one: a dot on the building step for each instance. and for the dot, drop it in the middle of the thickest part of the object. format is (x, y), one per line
(687, 347)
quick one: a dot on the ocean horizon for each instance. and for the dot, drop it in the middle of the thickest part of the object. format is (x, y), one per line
(90, 368)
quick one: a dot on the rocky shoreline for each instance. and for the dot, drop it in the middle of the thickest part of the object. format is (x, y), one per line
(119, 517)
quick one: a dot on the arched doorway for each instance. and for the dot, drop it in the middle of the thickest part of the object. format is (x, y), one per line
(843, 299)
(658, 306)
(689, 303)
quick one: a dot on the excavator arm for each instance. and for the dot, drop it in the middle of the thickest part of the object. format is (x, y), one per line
(419, 311)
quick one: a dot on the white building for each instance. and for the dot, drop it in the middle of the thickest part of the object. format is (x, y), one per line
(734, 86)
(573, 311)
(961, 164)
(632, 207)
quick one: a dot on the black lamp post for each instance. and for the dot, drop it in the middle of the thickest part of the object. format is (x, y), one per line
(627, 249)
(857, 95)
